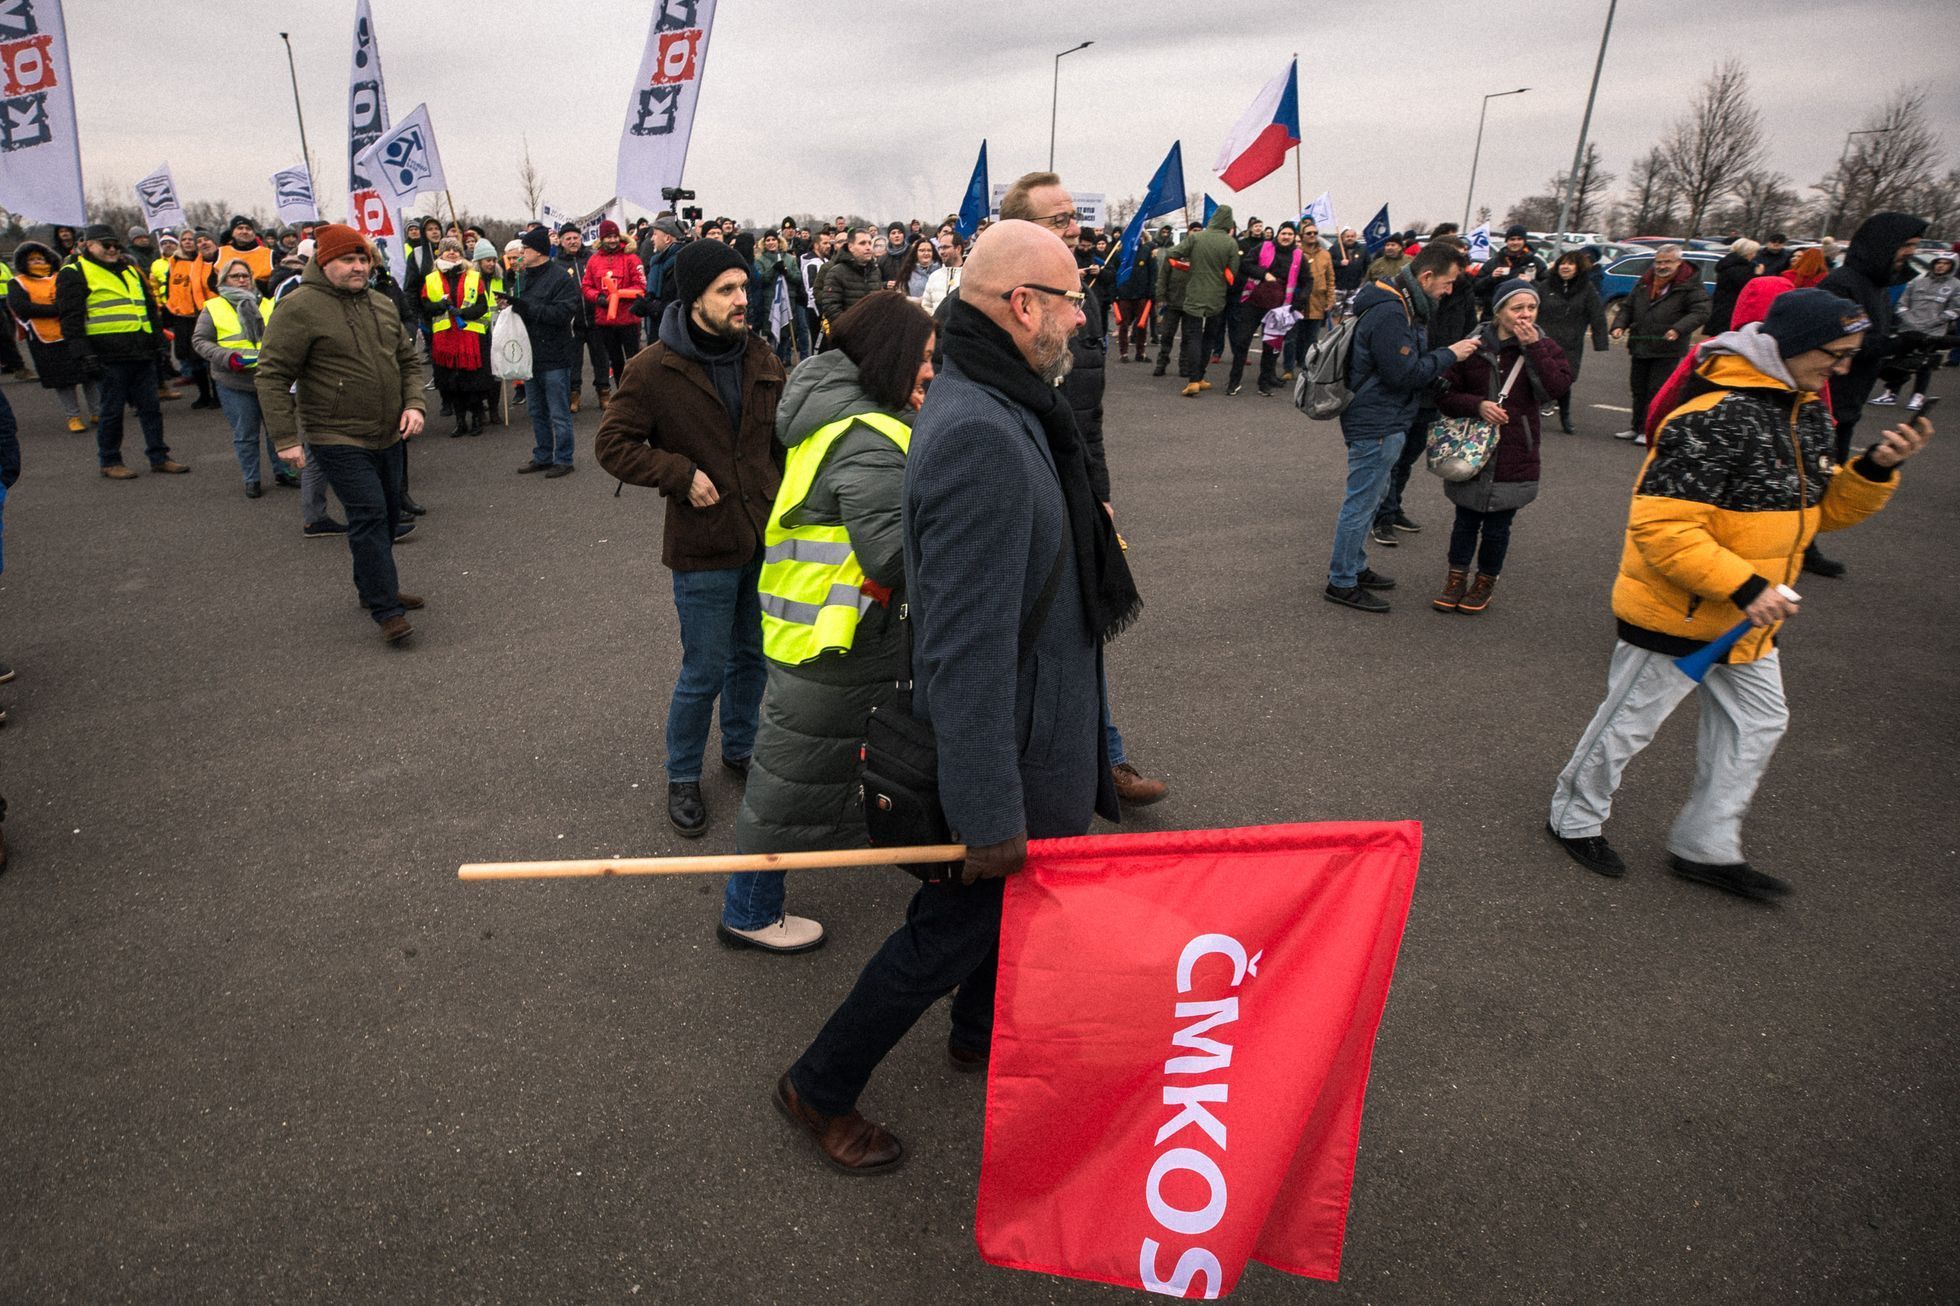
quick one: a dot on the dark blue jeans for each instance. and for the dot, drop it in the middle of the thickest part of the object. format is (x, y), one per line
(1484, 536)
(721, 658)
(549, 397)
(131, 382)
(369, 485)
(950, 943)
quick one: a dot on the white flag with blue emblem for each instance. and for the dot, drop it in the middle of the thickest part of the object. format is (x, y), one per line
(1480, 244)
(403, 162)
(292, 195)
(1321, 214)
(157, 194)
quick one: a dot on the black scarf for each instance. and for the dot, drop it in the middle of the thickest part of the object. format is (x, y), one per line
(987, 354)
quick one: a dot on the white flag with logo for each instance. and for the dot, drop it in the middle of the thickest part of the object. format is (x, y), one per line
(40, 155)
(292, 195)
(660, 114)
(1480, 244)
(403, 162)
(367, 117)
(1321, 214)
(157, 195)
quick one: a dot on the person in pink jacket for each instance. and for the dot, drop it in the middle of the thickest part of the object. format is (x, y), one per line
(614, 280)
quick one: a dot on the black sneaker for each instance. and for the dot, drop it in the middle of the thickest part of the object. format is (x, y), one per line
(325, 528)
(557, 470)
(686, 810)
(1593, 853)
(1355, 597)
(1738, 878)
(1818, 565)
(1381, 533)
(1400, 521)
(404, 529)
(1370, 579)
(1233, 392)
(739, 765)
(528, 468)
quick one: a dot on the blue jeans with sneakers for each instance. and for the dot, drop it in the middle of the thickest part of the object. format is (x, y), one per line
(721, 658)
(1369, 463)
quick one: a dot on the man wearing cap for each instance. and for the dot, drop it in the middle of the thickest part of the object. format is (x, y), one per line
(570, 253)
(1514, 260)
(613, 280)
(548, 303)
(695, 418)
(337, 356)
(109, 315)
(1721, 513)
(657, 256)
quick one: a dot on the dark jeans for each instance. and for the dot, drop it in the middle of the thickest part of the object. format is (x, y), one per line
(369, 483)
(1215, 333)
(1298, 341)
(1197, 351)
(1245, 324)
(131, 382)
(1166, 328)
(721, 658)
(1398, 476)
(1645, 377)
(611, 347)
(950, 942)
(1129, 322)
(1495, 528)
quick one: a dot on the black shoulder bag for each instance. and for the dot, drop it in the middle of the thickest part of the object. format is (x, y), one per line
(900, 790)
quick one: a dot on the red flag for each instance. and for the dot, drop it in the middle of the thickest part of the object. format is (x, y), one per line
(1182, 1033)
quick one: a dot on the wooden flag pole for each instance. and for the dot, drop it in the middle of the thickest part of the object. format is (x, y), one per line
(835, 859)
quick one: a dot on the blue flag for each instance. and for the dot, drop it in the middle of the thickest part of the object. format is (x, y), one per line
(1376, 235)
(1696, 665)
(974, 207)
(1166, 195)
(1211, 207)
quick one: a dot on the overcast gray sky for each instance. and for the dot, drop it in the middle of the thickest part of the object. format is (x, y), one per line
(879, 108)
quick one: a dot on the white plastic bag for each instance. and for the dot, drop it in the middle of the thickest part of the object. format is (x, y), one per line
(510, 347)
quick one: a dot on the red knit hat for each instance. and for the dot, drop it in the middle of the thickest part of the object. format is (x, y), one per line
(335, 240)
(608, 228)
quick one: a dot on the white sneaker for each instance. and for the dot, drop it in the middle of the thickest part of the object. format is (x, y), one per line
(1626, 435)
(1915, 403)
(1887, 398)
(790, 934)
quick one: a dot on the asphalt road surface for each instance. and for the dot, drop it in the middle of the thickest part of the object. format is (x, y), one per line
(257, 1043)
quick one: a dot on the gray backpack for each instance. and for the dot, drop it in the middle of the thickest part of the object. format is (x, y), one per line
(1321, 391)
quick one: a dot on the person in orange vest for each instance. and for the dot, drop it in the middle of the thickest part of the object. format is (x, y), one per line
(242, 241)
(187, 284)
(30, 296)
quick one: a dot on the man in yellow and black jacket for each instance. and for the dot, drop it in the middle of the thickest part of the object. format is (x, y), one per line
(1739, 481)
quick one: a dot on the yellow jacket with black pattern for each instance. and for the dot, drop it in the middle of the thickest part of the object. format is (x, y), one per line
(1738, 482)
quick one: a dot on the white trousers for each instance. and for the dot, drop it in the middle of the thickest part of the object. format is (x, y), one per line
(1743, 716)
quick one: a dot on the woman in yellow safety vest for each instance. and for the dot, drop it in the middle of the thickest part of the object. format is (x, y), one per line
(31, 297)
(833, 579)
(229, 329)
(456, 305)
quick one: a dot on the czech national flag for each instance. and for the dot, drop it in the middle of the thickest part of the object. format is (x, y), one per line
(1264, 133)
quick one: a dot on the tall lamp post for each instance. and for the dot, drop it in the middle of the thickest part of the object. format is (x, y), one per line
(1055, 102)
(305, 155)
(1474, 158)
(1571, 195)
(1837, 209)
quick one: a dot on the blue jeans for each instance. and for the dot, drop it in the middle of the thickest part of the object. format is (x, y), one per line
(1369, 462)
(752, 900)
(721, 657)
(369, 484)
(549, 397)
(132, 382)
(247, 428)
(1112, 737)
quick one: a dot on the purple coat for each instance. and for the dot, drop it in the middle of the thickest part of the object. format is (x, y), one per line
(1478, 377)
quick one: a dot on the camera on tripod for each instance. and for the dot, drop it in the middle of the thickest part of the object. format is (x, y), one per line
(674, 195)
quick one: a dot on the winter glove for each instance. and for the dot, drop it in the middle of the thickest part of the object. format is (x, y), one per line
(236, 362)
(995, 861)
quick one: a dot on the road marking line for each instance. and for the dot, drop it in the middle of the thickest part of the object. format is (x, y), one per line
(1613, 408)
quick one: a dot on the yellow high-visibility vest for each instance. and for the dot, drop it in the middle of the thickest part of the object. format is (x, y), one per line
(116, 305)
(231, 331)
(432, 291)
(160, 277)
(811, 589)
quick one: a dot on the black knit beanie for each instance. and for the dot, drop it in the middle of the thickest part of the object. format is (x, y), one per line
(699, 263)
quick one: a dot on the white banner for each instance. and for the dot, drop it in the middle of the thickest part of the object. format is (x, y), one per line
(1480, 244)
(40, 156)
(403, 162)
(1090, 208)
(1321, 212)
(156, 195)
(660, 114)
(292, 195)
(367, 117)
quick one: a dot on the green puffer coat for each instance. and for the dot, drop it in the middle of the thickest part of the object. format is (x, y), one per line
(802, 789)
(1212, 253)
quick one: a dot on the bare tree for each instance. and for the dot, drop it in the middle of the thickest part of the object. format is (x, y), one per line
(530, 181)
(1941, 207)
(1538, 212)
(1651, 203)
(1120, 211)
(1764, 202)
(1541, 212)
(1717, 144)
(1892, 164)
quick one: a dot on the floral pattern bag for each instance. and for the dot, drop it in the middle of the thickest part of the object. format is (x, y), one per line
(1460, 446)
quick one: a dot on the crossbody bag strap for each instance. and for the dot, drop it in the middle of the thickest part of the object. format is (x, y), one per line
(1030, 628)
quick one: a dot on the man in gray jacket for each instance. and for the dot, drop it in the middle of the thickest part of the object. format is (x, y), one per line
(1009, 561)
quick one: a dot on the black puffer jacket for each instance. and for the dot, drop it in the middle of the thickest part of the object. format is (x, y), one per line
(1567, 310)
(1083, 387)
(1865, 277)
(844, 284)
(1731, 275)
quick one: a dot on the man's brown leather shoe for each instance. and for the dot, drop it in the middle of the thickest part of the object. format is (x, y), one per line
(1136, 788)
(409, 601)
(118, 472)
(849, 1143)
(396, 629)
(169, 467)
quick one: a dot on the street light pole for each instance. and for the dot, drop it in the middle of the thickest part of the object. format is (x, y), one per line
(1055, 102)
(1585, 127)
(1837, 209)
(305, 155)
(1476, 157)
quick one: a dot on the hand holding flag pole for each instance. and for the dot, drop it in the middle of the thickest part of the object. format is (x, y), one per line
(1695, 665)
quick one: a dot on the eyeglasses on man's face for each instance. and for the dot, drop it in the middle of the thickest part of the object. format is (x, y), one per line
(1074, 297)
(1058, 221)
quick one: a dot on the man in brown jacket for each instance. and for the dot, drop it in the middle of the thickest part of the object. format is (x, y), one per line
(336, 357)
(694, 416)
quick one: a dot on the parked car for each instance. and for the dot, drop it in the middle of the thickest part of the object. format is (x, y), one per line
(1654, 242)
(1622, 275)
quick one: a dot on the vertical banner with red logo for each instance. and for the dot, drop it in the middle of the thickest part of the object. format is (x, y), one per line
(40, 153)
(660, 114)
(368, 211)
(1182, 1033)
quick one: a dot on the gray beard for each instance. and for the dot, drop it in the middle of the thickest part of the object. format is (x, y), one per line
(1055, 371)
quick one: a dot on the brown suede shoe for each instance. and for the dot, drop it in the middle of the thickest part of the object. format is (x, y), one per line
(396, 629)
(1453, 587)
(409, 601)
(849, 1143)
(169, 467)
(575, 401)
(118, 472)
(1136, 788)
(1478, 597)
